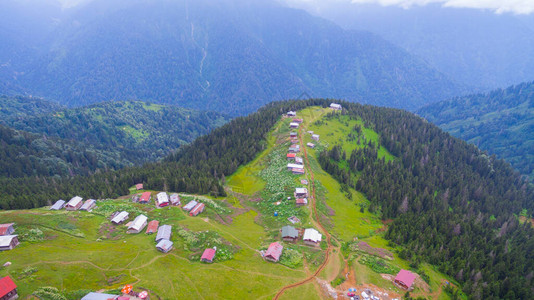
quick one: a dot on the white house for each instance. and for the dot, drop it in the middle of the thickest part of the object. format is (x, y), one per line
(138, 224)
(74, 204)
(120, 217)
(335, 106)
(162, 199)
(291, 166)
(301, 192)
(311, 237)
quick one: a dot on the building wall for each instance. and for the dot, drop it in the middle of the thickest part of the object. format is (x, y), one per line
(11, 295)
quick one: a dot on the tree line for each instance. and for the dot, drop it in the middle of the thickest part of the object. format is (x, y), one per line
(453, 205)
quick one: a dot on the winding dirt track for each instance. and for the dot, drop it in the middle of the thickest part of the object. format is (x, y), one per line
(316, 217)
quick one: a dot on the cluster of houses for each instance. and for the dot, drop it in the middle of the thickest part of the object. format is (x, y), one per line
(310, 237)
(163, 236)
(76, 203)
(162, 199)
(8, 240)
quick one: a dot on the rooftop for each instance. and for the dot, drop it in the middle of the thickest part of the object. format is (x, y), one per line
(290, 231)
(138, 222)
(208, 254)
(5, 227)
(312, 235)
(406, 277)
(6, 286)
(5, 240)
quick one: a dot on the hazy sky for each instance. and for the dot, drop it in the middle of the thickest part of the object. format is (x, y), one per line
(498, 6)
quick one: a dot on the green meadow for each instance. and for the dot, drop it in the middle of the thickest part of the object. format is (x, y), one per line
(58, 247)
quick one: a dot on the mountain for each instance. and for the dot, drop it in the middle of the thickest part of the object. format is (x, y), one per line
(472, 46)
(135, 131)
(501, 122)
(229, 56)
(387, 191)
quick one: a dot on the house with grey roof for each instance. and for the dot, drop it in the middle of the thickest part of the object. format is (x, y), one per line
(164, 246)
(88, 204)
(164, 233)
(120, 217)
(290, 233)
(189, 206)
(58, 205)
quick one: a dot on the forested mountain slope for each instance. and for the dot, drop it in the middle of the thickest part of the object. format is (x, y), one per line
(136, 131)
(229, 56)
(501, 122)
(473, 46)
(19, 108)
(451, 204)
(26, 154)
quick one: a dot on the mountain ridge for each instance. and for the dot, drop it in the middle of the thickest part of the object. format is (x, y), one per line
(500, 121)
(222, 56)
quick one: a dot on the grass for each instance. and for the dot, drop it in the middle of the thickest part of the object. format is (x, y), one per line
(338, 130)
(59, 246)
(152, 106)
(137, 134)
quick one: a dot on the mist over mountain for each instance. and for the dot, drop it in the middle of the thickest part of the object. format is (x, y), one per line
(476, 47)
(230, 56)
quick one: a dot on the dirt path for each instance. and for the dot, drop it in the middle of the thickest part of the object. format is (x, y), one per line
(315, 217)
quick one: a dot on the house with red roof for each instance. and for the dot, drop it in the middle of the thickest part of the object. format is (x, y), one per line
(7, 229)
(8, 289)
(298, 171)
(405, 279)
(208, 255)
(274, 252)
(302, 201)
(145, 197)
(139, 186)
(152, 227)
(291, 156)
(196, 210)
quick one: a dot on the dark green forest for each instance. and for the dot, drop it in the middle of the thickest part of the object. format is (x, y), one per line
(501, 122)
(127, 132)
(452, 205)
(19, 107)
(26, 154)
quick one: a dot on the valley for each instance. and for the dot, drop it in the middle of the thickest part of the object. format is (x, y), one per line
(353, 253)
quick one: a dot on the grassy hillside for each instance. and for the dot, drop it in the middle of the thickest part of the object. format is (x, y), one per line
(501, 122)
(73, 243)
(407, 195)
(137, 131)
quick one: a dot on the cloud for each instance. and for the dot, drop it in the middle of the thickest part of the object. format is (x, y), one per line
(498, 6)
